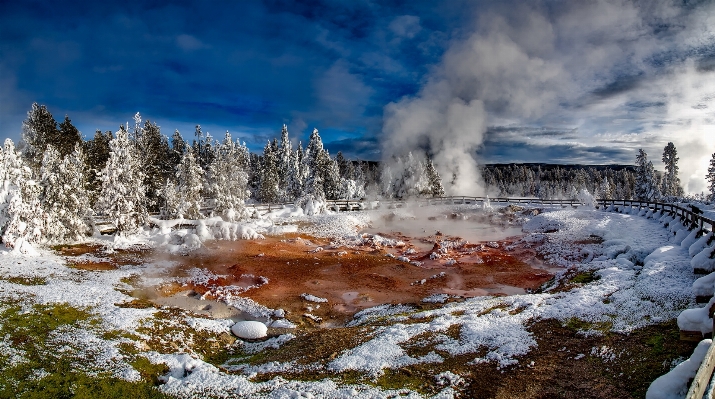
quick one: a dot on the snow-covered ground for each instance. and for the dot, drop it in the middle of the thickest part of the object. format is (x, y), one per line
(641, 275)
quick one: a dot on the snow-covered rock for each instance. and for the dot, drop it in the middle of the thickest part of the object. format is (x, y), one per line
(249, 329)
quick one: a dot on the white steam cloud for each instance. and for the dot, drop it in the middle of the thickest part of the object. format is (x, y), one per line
(614, 74)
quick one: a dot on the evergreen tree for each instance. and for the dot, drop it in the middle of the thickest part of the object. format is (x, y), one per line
(285, 153)
(172, 200)
(646, 185)
(178, 148)
(312, 170)
(268, 189)
(21, 217)
(434, 180)
(711, 178)
(345, 166)
(96, 155)
(387, 185)
(68, 138)
(155, 155)
(228, 177)
(189, 185)
(39, 129)
(295, 174)
(123, 198)
(360, 181)
(331, 176)
(64, 197)
(254, 175)
(671, 181)
(203, 148)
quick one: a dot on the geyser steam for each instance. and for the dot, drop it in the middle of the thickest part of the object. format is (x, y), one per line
(492, 70)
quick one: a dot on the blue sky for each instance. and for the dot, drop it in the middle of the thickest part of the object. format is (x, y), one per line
(496, 81)
(247, 66)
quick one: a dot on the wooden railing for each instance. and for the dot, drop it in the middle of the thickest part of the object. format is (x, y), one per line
(691, 216)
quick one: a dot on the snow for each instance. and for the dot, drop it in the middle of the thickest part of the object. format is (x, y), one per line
(249, 329)
(674, 384)
(643, 276)
(313, 298)
(697, 319)
(704, 286)
(700, 244)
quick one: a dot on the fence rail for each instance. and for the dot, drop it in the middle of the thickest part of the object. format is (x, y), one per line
(693, 215)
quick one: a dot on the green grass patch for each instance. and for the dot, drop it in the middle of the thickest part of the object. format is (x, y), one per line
(584, 277)
(577, 324)
(148, 370)
(22, 280)
(41, 367)
(169, 334)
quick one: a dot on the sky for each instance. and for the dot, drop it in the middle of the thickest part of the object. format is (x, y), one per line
(466, 81)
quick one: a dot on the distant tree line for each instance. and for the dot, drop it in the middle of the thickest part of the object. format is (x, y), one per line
(640, 182)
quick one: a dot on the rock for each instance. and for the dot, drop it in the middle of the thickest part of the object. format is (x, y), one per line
(249, 329)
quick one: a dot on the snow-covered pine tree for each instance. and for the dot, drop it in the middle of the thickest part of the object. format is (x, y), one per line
(359, 178)
(331, 176)
(671, 181)
(38, 129)
(345, 166)
(387, 185)
(295, 174)
(285, 152)
(172, 200)
(434, 180)
(96, 155)
(22, 219)
(268, 190)
(711, 178)
(64, 196)
(604, 190)
(409, 183)
(178, 148)
(203, 148)
(254, 174)
(646, 185)
(229, 179)
(189, 177)
(155, 155)
(123, 198)
(312, 171)
(68, 138)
